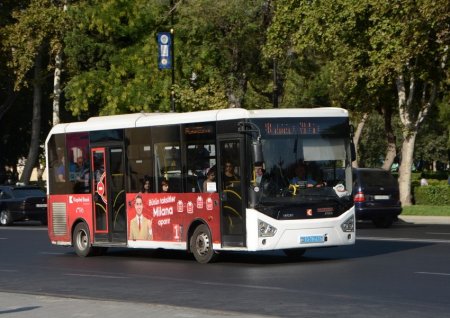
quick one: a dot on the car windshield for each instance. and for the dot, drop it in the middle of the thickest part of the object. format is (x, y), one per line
(27, 192)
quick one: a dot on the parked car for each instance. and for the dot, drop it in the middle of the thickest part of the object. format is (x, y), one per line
(376, 195)
(21, 203)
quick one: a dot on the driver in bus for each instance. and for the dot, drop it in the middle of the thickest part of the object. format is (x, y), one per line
(140, 226)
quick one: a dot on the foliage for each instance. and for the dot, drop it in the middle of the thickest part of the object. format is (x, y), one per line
(41, 24)
(111, 51)
(432, 195)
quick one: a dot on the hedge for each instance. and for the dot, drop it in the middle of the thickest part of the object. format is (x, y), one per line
(432, 195)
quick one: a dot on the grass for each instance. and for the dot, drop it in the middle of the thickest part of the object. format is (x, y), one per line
(426, 210)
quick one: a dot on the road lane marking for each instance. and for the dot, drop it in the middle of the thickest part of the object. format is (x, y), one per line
(51, 253)
(436, 233)
(97, 276)
(241, 285)
(401, 239)
(431, 273)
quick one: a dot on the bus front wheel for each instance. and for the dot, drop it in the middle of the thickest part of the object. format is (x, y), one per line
(201, 245)
(81, 240)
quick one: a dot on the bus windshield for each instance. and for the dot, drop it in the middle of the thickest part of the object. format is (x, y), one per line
(312, 164)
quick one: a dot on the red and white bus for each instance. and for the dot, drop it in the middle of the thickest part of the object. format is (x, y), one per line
(290, 189)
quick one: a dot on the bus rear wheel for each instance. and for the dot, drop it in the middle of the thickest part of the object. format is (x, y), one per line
(201, 245)
(81, 240)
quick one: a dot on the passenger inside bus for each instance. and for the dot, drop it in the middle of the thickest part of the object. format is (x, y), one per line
(60, 170)
(229, 176)
(209, 185)
(164, 185)
(146, 185)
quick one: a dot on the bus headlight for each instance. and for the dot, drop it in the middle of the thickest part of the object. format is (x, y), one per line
(349, 224)
(265, 229)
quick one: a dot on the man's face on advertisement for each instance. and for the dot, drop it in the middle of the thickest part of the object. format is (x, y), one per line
(138, 206)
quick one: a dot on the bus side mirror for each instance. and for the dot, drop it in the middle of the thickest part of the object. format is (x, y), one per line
(257, 152)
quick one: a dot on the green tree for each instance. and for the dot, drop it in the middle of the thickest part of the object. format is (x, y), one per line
(112, 51)
(33, 33)
(221, 43)
(375, 47)
(111, 57)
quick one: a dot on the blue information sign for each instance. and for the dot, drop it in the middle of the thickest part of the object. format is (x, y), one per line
(164, 50)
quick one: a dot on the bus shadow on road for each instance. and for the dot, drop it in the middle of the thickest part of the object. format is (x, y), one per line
(363, 248)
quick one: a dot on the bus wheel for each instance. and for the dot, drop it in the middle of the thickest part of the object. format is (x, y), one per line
(81, 240)
(201, 245)
(294, 252)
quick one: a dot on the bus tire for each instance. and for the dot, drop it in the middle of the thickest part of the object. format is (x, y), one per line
(201, 245)
(81, 240)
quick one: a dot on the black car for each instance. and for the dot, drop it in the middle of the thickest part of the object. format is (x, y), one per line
(376, 195)
(21, 203)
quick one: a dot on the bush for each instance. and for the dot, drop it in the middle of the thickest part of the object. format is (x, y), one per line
(432, 195)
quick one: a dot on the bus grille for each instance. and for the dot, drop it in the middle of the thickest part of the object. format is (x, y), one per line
(59, 218)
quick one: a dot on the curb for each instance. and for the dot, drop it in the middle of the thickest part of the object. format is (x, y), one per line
(416, 219)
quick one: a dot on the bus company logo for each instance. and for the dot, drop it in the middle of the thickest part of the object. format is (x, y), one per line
(325, 210)
(309, 212)
(77, 200)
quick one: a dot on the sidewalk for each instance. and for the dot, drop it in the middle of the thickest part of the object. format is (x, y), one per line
(425, 219)
(14, 305)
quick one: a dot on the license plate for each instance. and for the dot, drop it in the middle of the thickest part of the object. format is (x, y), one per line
(381, 197)
(41, 205)
(312, 239)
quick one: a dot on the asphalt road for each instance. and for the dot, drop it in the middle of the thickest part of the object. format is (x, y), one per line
(398, 272)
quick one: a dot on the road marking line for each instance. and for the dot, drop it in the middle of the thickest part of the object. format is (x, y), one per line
(401, 239)
(431, 273)
(436, 233)
(51, 253)
(98, 276)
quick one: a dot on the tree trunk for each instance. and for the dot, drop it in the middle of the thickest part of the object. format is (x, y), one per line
(357, 137)
(411, 125)
(391, 151)
(57, 88)
(33, 153)
(57, 81)
(404, 178)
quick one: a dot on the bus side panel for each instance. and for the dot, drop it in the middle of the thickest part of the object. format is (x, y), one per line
(63, 210)
(169, 216)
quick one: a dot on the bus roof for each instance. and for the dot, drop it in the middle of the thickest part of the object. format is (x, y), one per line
(158, 119)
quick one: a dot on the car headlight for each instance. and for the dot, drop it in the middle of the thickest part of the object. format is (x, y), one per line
(349, 224)
(265, 229)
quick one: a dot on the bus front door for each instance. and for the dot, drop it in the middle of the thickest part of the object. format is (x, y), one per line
(231, 189)
(108, 186)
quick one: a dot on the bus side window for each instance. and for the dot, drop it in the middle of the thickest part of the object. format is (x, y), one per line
(140, 159)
